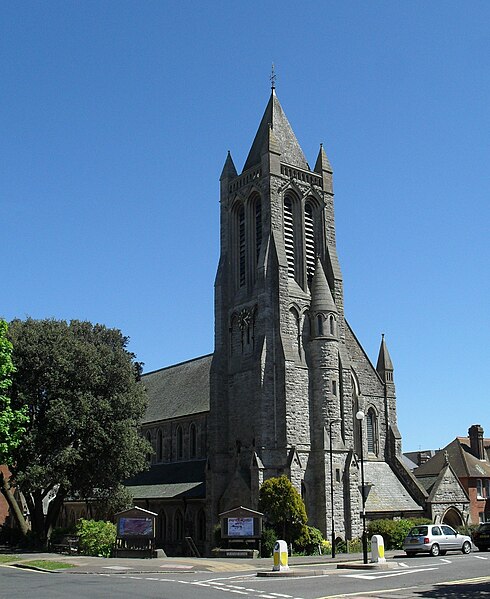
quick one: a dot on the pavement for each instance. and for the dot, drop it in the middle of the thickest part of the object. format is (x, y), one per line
(99, 565)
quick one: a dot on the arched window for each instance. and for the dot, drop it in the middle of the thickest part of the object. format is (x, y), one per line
(180, 442)
(160, 445)
(331, 321)
(149, 454)
(178, 526)
(319, 322)
(241, 247)
(309, 240)
(371, 430)
(162, 525)
(289, 236)
(295, 331)
(192, 440)
(201, 526)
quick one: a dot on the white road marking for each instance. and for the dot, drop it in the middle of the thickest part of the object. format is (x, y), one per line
(383, 575)
(446, 561)
(480, 557)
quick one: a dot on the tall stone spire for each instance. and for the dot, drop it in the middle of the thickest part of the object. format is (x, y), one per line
(274, 118)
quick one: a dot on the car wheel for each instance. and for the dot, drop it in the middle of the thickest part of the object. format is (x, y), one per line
(466, 548)
(410, 553)
(434, 550)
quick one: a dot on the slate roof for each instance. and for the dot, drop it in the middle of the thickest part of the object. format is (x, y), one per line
(287, 144)
(387, 493)
(463, 462)
(165, 481)
(179, 390)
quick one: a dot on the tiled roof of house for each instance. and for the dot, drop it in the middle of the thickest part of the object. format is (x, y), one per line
(179, 390)
(462, 460)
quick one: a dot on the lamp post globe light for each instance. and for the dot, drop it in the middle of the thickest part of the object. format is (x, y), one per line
(332, 421)
(360, 418)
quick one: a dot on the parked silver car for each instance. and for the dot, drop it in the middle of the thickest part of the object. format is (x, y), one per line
(435, 539)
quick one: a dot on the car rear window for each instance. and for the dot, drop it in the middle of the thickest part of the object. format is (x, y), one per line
(418, 531)
(484, 527)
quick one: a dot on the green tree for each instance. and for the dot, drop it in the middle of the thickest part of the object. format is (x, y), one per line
(85, 401)
(12, 423)
(283, 508)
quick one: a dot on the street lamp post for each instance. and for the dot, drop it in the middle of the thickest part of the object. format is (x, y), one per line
(360, 418)
(331, 484)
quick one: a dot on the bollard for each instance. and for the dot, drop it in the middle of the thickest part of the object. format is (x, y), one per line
(280, 557)
(377, 549)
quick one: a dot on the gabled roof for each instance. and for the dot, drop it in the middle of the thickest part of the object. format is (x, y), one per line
(165, 481)
(387, 493)
(179, 390)
(284, 138)
(459, 455)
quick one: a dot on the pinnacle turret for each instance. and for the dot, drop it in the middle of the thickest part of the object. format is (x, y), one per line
(322, 162)
(321, 296)
(384, 365)
(229, 170)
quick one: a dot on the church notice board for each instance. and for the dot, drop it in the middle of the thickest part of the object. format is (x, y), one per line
(241, 523)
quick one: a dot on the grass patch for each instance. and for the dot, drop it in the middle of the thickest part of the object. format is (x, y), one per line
(48, 564)
(4, 559)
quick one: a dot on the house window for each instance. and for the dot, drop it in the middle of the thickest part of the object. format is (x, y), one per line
(479, 488)
(487, 488)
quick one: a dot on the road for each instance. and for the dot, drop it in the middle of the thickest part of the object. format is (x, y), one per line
(454, 576)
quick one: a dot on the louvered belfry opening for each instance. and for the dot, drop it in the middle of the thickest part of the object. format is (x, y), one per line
(289, 236)
(242, 248)
(258, 228)
(309, 241)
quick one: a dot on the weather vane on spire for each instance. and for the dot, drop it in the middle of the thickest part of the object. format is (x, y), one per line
(273, 77)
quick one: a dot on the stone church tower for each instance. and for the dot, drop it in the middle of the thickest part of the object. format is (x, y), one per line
(288, 374)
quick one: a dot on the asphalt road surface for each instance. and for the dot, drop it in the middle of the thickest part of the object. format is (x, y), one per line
(453, 576)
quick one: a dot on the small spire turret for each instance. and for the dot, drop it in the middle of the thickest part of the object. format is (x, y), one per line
(229, 171)
(384, 365)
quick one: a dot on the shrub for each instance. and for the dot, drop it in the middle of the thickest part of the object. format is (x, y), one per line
(393, 531)
(309, 540)
(269, 539)
(283, 508)
(97, 537)
(355, 546)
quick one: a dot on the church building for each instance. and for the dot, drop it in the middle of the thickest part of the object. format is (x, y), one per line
(287, 378)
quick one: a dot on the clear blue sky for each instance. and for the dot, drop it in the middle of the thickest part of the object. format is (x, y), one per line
(115, 120)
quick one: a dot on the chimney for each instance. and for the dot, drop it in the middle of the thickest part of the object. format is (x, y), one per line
(475, 434)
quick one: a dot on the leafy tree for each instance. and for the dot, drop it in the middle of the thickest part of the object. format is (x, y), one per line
(283, 508)
(82, 391)
(12, 422)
